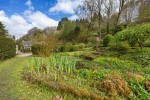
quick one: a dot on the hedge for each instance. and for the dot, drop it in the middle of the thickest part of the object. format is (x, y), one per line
(7, 48)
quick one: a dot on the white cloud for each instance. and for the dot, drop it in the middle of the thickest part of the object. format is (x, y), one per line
(30, 8)
(73, 17)
(15, 24)
(18, 25)
(2, 16)
(65, 6)
(38, 19)
(29, 4)
(27, 12)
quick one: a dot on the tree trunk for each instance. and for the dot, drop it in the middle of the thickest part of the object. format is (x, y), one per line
(99, 20)
(107, 26)
(121, 5)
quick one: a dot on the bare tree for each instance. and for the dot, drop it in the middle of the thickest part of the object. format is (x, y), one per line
(99, 13)
(130, 12)
(144, 9)
(86, 12)
(108, 10)
(120, 6)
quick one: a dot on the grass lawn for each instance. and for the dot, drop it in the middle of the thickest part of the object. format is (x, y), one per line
(12, 87)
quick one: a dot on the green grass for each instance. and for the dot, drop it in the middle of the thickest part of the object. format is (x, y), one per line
(12, 87)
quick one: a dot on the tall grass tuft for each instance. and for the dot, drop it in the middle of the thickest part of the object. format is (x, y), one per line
(53, 64)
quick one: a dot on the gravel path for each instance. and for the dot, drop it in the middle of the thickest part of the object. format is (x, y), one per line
(24, 54)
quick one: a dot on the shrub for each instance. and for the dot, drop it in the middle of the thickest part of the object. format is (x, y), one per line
(136, 34)
(81, 45)
(76, 48)
(66, 48)
(118, 28)
(36, 49)
(41, 50)
(46, 44)
(119, 46)
(134, 76)
(115, 85)
(7, 48)
(107, 39)
(147, 43)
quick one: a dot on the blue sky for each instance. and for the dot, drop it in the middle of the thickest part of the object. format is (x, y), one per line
(21, 15)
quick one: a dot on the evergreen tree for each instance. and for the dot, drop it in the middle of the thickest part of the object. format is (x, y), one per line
(3, 32)
(61, 23)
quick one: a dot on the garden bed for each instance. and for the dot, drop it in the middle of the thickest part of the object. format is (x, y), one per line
(102, 78)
